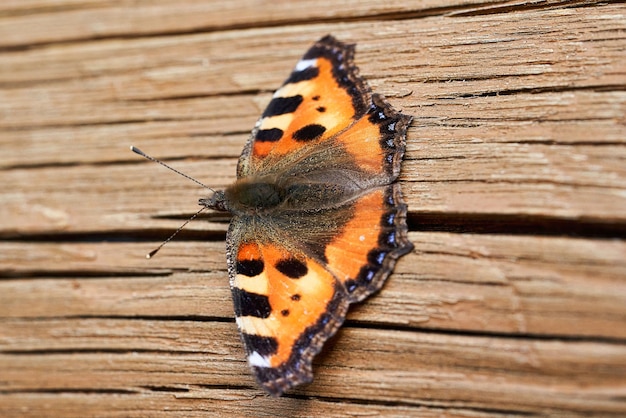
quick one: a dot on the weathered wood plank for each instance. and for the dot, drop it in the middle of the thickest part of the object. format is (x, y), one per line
(197, 401)
(553, 181)
(439, 71)
(88, 19)
(554, 129)
(479, 283)
(443, 369)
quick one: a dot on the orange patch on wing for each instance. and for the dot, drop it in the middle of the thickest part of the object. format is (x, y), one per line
(248, 251)
(347, 253)
(362, 141)
(313, 292)
(337, 115)
(262, 148)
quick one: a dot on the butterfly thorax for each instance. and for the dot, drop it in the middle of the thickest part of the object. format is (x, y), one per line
(250, 195)
(254, 195)
(273, 195)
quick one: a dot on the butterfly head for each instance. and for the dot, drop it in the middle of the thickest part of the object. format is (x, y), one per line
(217, 201)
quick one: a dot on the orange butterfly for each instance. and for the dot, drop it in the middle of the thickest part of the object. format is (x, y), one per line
(318, 222)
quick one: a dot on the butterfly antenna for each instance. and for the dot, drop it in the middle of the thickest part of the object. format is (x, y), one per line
(143, 154)
(156, 250)
(180, 228)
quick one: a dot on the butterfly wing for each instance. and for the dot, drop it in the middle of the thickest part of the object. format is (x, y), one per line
(365, 251)
(322, 96)
(286, 304)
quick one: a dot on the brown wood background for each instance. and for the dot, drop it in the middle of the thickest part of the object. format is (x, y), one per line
(512, 304)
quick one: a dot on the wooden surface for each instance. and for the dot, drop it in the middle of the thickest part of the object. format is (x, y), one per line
(513, 302)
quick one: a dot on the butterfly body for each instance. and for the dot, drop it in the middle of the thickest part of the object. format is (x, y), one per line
(318, 220)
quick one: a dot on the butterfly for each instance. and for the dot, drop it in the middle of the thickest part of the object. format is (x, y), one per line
(318, 221)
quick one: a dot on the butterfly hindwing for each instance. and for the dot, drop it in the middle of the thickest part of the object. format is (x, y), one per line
(285, 306)
(364, 252)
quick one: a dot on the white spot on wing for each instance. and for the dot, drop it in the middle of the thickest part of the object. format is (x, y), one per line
(255, 359)
(257, 326)
(304, 64)
(281, 121)
(256, 284)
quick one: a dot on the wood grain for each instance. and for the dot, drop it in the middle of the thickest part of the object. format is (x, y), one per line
(512, 303)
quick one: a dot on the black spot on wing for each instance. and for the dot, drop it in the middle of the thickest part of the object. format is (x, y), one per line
(269, 135)
(282, 105)
(351, 285)
(309, 132)
(388, 219)
(265, 346)
(376, 256)
(292, 268)
(376, 114)
(367, 274)
(250, 268)
(387, 239)
(251, 304)
(308, 73)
